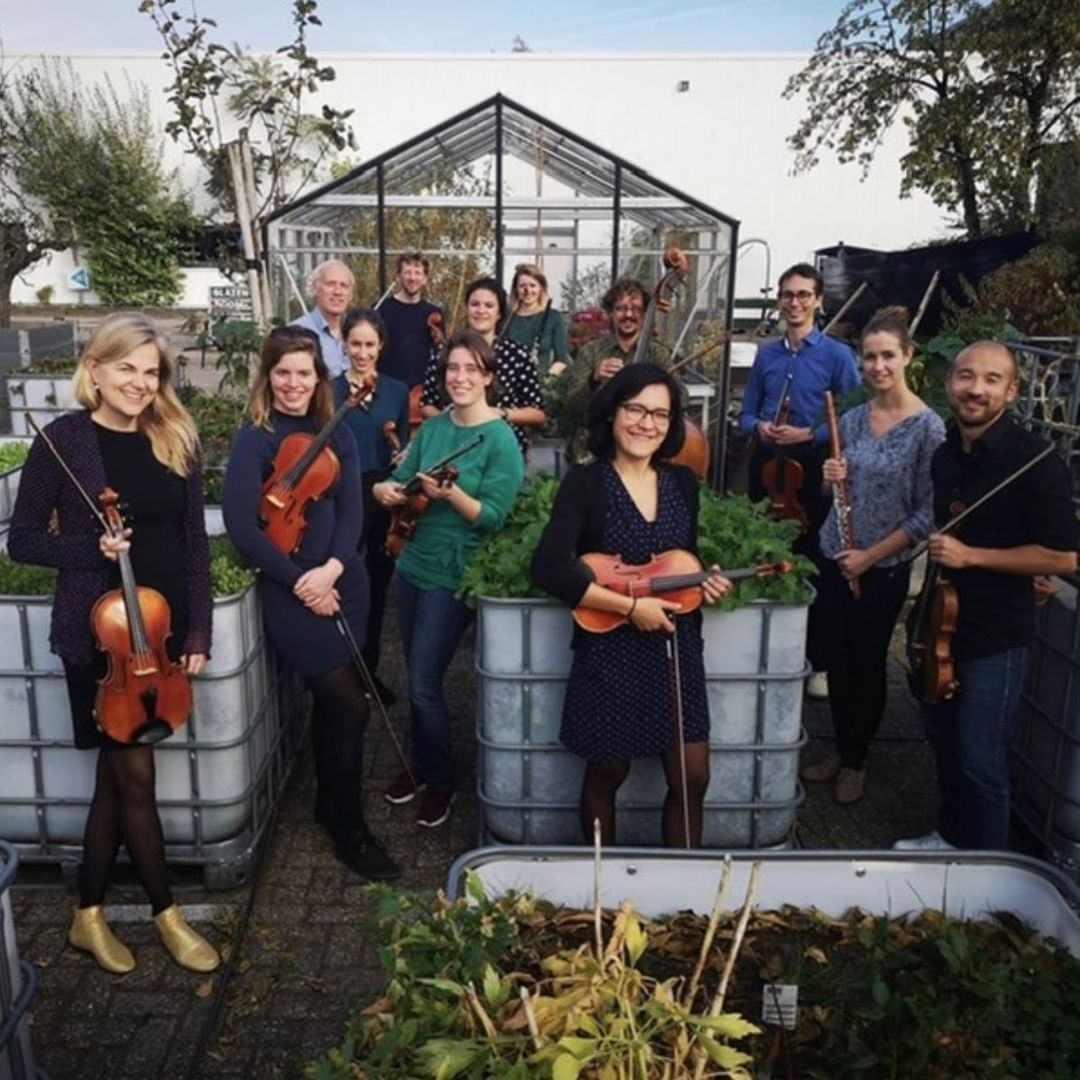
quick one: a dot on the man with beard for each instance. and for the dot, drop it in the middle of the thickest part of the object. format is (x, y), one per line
(625, 303)
(1029, 528)
(405, 315)
(331, 285)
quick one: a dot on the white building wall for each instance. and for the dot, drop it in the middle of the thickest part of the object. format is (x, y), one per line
(722, 141)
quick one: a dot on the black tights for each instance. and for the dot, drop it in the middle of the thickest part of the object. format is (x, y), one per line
(603, 780)
(124, 809)
(341, 712)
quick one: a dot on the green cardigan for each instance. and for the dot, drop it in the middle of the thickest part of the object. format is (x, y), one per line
(553, 344)
(493, 472)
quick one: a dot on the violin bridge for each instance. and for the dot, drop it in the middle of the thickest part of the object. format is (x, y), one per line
(150, 669)
(273, 500)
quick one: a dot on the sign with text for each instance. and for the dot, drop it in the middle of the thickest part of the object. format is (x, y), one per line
(230, 302)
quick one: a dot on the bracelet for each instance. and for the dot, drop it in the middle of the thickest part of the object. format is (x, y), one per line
(633, 604)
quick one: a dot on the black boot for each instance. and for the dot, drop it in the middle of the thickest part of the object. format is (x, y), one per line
(362, 853)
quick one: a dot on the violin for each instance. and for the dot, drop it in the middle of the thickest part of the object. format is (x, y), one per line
(404, 519)
(675, 575)
(305, 468)
(144, 696)
(783, 477)
(930, 627)
(389, 431)
(695, 448)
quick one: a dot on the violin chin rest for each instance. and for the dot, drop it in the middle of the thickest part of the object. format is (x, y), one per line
(151, 733)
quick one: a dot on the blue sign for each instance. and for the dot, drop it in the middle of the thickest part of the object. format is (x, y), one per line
(79, 278)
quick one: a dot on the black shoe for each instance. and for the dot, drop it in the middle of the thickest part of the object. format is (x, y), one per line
(364, 855)
(386, 695)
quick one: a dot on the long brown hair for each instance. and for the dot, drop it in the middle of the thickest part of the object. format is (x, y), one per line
(164, 421)
(279, 342)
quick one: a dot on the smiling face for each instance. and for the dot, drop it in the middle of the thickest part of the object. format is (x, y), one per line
(482, 313)
(627, 316)
(126, 386)
(333, 290)
(412, 277)
(363, 346)
(466, 380)
(528, 291)
(292, 383)
(641, 422)
(799, 301)
(883, 360)
(980, 385)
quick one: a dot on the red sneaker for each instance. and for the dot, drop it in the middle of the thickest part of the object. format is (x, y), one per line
(404, 788)
(434, 808)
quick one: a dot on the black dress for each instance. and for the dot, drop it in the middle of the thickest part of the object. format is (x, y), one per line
(152, 503)
(618, 703)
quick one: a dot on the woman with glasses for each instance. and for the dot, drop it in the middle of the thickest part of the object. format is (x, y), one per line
(520, 401)
(461, 513)
(618, 703)
(304, 593)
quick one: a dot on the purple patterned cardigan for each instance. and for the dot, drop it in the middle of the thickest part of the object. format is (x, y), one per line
(84, 572)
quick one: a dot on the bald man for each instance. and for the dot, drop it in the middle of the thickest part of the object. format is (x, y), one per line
(332, 286)
(990, 558)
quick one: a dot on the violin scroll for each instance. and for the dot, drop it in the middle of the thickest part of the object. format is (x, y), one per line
(435, 329)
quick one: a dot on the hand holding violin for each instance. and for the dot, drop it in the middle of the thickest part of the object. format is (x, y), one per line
(788, 435)
(949, 552)
(435, 488)
(389, 493)
(651, 612)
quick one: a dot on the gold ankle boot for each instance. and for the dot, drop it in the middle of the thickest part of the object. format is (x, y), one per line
(90, 932)
(189, 948)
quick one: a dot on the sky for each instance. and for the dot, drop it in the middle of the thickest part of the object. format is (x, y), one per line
(68, 26)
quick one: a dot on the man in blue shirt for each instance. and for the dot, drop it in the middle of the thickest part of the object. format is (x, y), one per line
(799, 367)
(332, 287)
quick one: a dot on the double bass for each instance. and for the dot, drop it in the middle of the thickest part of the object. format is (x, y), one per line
(695, 449)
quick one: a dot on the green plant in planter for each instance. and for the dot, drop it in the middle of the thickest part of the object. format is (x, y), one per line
(217, 418)
(732, 532)
(229, 574)
(51, 365)
(12, 455)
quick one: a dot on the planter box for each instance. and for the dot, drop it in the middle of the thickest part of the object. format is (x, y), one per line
(1046, 747)
(17, 984)
(964, 885)
(218, 777)
(45, 396)
(529, 784)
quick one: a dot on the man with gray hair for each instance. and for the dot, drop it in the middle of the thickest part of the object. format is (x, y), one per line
(331, 285)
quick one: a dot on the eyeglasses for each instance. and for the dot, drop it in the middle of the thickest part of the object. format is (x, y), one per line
(803, 295)
(637, 413)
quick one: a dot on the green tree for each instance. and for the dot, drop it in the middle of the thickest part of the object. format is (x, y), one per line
(984, 90)
(85, 164)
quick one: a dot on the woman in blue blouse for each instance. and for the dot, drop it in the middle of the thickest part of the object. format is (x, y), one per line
(364, 334)
(888, 443)
(303, 594)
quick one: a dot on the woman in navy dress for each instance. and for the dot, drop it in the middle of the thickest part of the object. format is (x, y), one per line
(302, 594)
(618, 704)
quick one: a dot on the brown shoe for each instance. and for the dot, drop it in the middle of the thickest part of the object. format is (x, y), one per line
(821, 772)
(849, 785)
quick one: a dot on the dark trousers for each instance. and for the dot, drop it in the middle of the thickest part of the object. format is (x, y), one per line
(380, 568)
(811, 457)
(970, 734)
(856, 646)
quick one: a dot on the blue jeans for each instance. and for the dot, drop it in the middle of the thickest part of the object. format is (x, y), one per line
(970, 735)
(431, 623)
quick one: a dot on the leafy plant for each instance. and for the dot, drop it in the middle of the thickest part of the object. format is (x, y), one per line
(732, 532)
(229, 574)
(238, 342)
(51, 365)
(12, 455)
(217, 418)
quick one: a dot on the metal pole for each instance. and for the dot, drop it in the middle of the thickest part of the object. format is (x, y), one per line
(498, 191)
(380, 191)
(616, 210)
(723, 377)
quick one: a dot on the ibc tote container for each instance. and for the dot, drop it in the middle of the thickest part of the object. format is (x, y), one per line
(529, 784)
(218, 777)
(17, 983)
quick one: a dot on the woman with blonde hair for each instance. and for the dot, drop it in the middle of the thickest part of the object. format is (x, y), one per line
(133, 435)
(306, 593)
(535, 323)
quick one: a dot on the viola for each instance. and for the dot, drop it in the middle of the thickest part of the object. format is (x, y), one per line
(144, 696)
(404, 519)
(389, 432)
(782, 477)
(305, 468)
(675, 575)
(930, 628)
(694, 452)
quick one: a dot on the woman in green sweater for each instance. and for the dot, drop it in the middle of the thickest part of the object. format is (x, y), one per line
(535, 323)
(430, 618)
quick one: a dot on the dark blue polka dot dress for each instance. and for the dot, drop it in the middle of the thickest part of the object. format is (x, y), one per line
(618, 699)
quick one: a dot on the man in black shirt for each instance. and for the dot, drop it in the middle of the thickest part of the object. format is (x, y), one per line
(1029, 528)
(405, 314)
